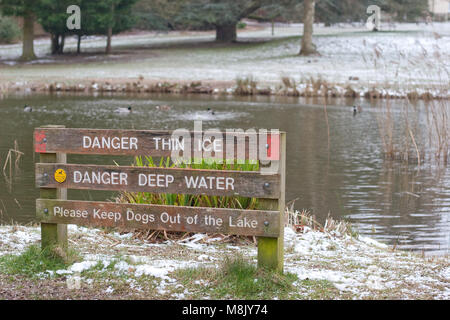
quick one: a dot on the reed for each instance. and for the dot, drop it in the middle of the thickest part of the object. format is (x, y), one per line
(410, 138)
(185, 199)
(246, 86)
(8, 165)
(438, 122)
(299, 221)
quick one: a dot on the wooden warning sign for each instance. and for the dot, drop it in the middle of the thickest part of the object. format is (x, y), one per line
(54, 176)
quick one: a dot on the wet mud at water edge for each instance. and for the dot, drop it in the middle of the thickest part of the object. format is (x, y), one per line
(335, 160)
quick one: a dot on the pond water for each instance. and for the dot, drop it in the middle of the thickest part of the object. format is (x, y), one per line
(335, 163)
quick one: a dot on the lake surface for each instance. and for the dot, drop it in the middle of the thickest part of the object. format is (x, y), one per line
(335, 162)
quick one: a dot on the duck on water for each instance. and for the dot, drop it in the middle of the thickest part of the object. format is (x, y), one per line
(356, 110)
(124, 110)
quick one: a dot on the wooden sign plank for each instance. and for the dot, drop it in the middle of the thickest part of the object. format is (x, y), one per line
(158, 217)
(157, 143)
(159, 180)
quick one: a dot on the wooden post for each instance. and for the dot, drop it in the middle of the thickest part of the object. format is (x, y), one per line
(271, 250)
(53, 234)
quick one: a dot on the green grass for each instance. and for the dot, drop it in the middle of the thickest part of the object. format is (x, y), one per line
(34, 261)
(237, 278)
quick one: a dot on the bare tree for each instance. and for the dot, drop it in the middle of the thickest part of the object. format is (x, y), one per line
(308, 47)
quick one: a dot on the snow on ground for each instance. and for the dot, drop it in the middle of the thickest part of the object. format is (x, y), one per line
(363, 266)
(411, 56)
(358, 268)
(17, 238)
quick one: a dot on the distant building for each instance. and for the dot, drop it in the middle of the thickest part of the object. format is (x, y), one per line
(439, 8)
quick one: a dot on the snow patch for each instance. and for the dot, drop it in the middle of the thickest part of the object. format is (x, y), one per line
(82, 266)
(372, 242)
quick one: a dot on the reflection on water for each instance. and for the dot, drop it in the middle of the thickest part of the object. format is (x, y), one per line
(342, 174)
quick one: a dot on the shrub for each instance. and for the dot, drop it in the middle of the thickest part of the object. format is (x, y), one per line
(9, 30)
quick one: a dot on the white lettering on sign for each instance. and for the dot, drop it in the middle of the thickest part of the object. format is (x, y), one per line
(112, 178)
(169, 144)
(174, 144)
(212, 221)
(152, 180)
(166, 218)
(116, 143)
(140, 217)
(155, 180)
(104, 215)
(219, 183)
(243, 223)
(116, 215)
(208, 145)
(69, 213)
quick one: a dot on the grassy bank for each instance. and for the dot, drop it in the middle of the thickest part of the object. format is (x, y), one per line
(407, 62)
(318, 265)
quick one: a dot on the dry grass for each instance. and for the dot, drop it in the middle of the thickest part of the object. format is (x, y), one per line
(296, 220)
(310, 87)
(401, 136)
(438, 120)
(246, 86)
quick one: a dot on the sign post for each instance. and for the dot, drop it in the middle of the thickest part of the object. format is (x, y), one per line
(53, 234)
(271, 250)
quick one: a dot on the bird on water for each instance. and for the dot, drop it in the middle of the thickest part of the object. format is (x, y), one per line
(124, 110)
(27, 108)
(356, 109)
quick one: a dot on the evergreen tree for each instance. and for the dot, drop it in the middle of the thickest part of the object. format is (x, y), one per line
(52, 15)
(159, 14)
(403, 10)
(119, 18)
(26, 10)
(223, 15)
(100, 17)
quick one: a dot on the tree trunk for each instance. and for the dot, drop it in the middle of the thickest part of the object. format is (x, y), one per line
(226, 33)
(55, 43)
(308, 46)
(110, 32)
(108, 41)
(28, 38)
(58, 42)
(61, 44)
(79, 44)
